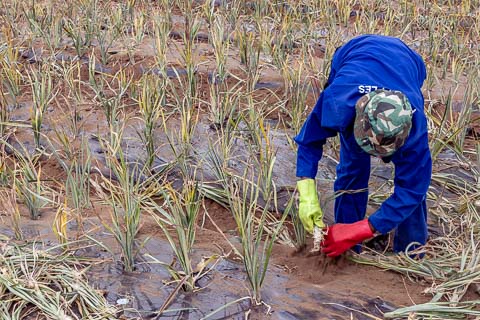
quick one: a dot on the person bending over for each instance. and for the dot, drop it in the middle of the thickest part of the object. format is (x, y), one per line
(373, 100)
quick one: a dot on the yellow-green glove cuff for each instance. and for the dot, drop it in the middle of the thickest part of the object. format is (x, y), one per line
(307, 190)
(309, 209)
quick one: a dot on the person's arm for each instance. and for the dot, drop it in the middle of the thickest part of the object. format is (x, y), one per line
(412, 178)
(413, 170)
(310, 142)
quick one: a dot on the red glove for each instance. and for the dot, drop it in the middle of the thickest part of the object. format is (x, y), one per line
(342, 236)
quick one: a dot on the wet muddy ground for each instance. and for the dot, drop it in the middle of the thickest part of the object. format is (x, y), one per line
(298, 286)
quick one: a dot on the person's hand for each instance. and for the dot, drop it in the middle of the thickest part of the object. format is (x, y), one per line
(309, 209)
(341, 237)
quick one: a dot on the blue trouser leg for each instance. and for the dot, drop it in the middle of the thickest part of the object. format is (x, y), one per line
(353, 173)
(412, 229)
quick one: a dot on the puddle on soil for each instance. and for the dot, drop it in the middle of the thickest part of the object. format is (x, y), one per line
(267, 85)
(32, 55)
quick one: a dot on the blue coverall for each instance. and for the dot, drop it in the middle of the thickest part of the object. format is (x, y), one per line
(364, 64)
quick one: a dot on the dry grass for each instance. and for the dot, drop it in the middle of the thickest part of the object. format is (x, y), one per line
(35, 280)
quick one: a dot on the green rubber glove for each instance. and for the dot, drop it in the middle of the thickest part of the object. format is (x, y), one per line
(309, 209)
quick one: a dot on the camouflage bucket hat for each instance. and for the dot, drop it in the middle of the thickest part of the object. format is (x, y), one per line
(383, 121)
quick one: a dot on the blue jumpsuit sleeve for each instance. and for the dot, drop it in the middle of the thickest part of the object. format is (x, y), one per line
(413, 170)
(310, 142)
(313, 134)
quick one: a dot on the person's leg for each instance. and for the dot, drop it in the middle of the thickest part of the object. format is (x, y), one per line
(353, 173)
(412, 229)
